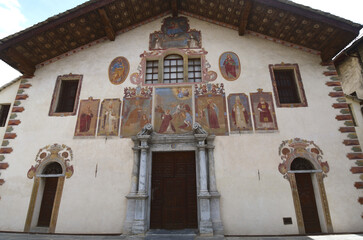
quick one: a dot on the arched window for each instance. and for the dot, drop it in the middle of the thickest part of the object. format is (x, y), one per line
(173, 69)
(301, 164)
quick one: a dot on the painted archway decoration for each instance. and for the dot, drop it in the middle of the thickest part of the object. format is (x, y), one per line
(300, 148)
(53, 153)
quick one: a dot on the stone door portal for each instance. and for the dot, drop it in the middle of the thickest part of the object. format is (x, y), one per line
(173, 191)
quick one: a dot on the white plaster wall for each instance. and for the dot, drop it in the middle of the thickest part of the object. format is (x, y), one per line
(7, 96)
(249, 204)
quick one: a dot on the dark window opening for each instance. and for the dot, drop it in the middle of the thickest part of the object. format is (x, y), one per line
(301, 164)
(67, 96)
(4, 111)
(53, 168)
(194, 70)
(152, 72)
(173, 69)
(286, 86)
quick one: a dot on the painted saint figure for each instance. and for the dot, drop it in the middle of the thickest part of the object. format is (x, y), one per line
(85, 120)
(109, 119)
(239, 114)
(211, 113)
(166, 124)
(118, 71)
(188, 120)
(230, 66)
(265, 114)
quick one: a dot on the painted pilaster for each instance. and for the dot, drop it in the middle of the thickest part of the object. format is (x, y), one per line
(218, 228)
(130, 212)
(295, 197)
(205, 223)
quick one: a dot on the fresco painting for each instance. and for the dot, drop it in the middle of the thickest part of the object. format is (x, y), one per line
(173, 110)
(109, 118)
(136, 110)
(230, 66)
(263, 110)
(87, 117)
(175, 33)
(239, 113)
(118, 70)
(210, 108)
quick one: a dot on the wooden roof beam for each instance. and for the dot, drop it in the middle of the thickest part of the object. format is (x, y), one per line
(24, 65)
(244, 17)
(110, 32)
(174, 7)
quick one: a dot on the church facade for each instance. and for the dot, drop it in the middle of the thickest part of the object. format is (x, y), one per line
(131, 117)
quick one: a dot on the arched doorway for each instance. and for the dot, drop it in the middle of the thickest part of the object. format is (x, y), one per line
(303, 175)
(50, 179)
(303, 167)
(53, 165)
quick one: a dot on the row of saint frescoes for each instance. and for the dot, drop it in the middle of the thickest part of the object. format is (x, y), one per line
(173, 111)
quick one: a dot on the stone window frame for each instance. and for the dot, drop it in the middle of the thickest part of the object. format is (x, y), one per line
(186, 54)
(297, 76)
(56, 93)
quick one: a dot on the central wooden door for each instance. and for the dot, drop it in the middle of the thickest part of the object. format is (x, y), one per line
(308, 202)
(173, 191)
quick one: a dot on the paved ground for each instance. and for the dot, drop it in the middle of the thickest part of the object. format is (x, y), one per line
(23, 236)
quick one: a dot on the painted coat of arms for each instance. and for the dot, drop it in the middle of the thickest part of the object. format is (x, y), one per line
(118, 70)
(175, 33)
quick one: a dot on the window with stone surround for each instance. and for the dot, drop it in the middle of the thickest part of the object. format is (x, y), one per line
(287, 84)
(66, 95)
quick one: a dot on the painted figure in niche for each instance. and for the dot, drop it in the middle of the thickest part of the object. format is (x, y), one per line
(87, 117)
(173, 113)
(263, 110)
(210, 112)
(239, 112)
(229, 66)
(85, 120)
(265, 114)
(109, 117)
(118, 70)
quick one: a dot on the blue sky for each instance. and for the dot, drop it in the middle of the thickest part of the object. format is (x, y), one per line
(16, 15)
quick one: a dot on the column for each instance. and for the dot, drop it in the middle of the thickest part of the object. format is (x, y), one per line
(205, 224)
(140, 225)
(218, 228)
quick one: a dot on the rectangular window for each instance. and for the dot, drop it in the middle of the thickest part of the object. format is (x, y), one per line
(65, 96)
(194, 70)
(152, 72)
(4, 111)
(288, 88)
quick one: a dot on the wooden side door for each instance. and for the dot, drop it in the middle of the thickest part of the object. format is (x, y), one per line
(173, 191)
(308, 202)
(46, 207)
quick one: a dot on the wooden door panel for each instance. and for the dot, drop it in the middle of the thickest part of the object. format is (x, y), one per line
(46, 207)
(174, 201)
(308, 202)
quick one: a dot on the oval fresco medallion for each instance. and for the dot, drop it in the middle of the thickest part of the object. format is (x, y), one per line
(118, 70)
(230, 66)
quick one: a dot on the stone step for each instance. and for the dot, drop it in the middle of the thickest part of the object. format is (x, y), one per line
(161, 234)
